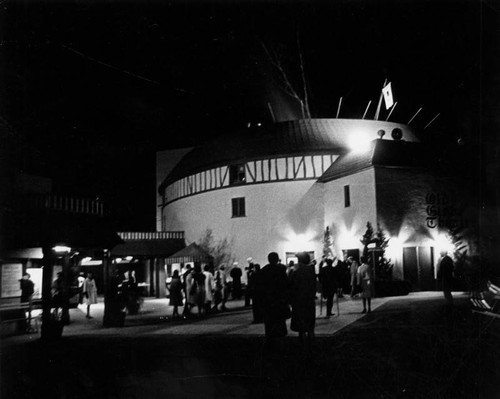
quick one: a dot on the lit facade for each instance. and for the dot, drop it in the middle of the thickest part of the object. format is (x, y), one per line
(277, 187)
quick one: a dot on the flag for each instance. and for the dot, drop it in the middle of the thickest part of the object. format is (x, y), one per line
(387, 93)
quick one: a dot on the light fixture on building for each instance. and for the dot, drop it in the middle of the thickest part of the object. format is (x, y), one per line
(129, 258)
(359, 141)
(444, 244)
(61, 249)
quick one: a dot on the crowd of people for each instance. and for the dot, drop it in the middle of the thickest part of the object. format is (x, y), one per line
(276, 292)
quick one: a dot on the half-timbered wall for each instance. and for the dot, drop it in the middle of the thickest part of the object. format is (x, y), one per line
(258, 171)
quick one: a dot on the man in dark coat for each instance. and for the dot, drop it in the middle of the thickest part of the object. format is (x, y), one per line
(236, 274)
(272, 289)
(445, 274)
(27, 290)
(303, 293)
(329, 284)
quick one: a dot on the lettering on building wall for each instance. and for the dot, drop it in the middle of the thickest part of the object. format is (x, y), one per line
(442, 212)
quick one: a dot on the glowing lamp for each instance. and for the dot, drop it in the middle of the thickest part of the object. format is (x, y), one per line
(443, 243)
(359, 141)
(61, 249)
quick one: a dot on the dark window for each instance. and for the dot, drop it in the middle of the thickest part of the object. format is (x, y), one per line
(347, 197)
(238, 207)
(237, 174)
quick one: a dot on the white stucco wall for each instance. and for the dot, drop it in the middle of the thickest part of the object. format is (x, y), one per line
(349, 224)
(280, 217)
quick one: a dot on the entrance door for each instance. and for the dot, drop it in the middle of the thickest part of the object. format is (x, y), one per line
(410, 267)
(418, 267)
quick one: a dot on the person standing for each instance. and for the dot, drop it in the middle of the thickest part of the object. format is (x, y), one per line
(90, 292)
(226, 287)
(57, 293)
(365, 280)
(197, 289)
(218, 288)
(27, 290)
(81, 280)
(303, 294)
(272, 288)
(253, 284)
(186, 285)
(248, 293)
(175, 290)
(329, 284)
(209, 286)
(353, 269)
(236, 274)
(445, 274)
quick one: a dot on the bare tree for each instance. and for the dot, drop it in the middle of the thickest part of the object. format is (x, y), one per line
(220, 251)
(276, 58)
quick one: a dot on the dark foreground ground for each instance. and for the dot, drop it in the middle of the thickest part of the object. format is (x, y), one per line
(406, 349)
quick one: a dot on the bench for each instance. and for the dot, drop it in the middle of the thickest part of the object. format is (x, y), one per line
(13, 319)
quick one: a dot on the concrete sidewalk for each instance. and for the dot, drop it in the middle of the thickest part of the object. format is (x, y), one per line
(154, 320)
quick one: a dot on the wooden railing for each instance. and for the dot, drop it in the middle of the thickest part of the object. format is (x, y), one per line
(151, 235)
(64, 204)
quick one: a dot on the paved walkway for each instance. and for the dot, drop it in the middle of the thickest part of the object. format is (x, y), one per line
(154, 320)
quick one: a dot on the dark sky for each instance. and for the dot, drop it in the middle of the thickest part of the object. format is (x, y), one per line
(94, 89)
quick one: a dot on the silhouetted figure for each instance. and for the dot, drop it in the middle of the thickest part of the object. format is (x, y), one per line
(445, 274)
(197, 289)
(218, 287)
(81, 280)
(329, 284)
(303, 294)
(343, 278)
(175, 290)
(236, 274)
(57, 293)
(272, 287)
(185, 281)
(27, 290)
(365, 280)
(253, 286)
(249, 270)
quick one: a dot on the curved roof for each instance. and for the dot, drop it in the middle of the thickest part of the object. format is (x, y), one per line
(388, 153)
(281, 139)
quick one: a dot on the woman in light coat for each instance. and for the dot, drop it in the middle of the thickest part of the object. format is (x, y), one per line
(365, 280)
(90, 292)
(209, 286)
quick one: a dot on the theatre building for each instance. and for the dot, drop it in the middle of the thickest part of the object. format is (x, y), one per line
(277, 187)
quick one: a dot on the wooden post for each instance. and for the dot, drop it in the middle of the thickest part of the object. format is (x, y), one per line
(65, 294)
(48, 267)
(107, 317)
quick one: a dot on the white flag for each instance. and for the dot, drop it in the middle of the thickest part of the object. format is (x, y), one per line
(387, 92)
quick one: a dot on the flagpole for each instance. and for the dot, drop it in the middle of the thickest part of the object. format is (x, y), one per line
(413, 117)
(377, 112)
(390, 113)
(433, 119)
(338, 109)
(366, 110)
(271, 111)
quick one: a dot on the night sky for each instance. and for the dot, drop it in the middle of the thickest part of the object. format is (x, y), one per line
(94, 89)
